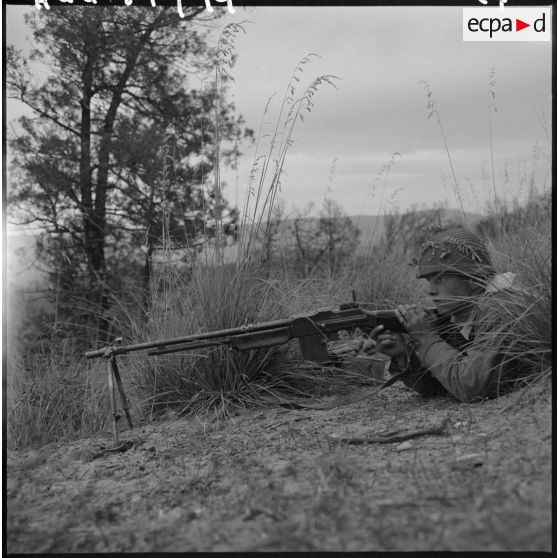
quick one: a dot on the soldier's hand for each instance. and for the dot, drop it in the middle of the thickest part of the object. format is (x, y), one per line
(415, 318)
(389, 343)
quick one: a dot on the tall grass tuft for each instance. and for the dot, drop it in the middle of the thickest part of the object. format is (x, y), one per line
(521, 241)
(432, 109)
(51, 397)
(264, 181)
(216, 295)
(214, 298)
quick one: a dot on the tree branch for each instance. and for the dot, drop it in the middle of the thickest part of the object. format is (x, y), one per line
(41, 112)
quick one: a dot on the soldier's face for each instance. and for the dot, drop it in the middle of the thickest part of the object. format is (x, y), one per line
(450, 293)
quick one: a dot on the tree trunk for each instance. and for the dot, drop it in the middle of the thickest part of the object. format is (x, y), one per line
(93, 228)
(98, 232)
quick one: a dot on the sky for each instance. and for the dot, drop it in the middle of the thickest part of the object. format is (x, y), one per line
(369, 144)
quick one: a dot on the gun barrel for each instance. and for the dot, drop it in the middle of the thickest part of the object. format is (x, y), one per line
(186, 347)
(224, 333)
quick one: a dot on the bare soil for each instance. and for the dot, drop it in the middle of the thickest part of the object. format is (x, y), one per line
(281, 480)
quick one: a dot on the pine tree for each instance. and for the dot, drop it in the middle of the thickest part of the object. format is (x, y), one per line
(120, 146)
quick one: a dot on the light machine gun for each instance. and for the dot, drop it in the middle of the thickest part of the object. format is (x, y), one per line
(312, 331)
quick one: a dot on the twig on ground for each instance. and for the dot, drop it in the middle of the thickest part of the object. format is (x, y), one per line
(125, 446)
(393, 436)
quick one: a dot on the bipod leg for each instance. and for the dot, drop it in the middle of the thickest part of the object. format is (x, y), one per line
(121, 391)
(112, 400)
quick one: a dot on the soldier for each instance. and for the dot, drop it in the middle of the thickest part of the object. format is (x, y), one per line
(461, 348)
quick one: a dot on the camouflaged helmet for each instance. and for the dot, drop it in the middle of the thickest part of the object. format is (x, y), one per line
(456, 250)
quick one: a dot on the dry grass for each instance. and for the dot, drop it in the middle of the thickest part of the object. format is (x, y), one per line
(522, 244)
(214, 299)
(51, 396)
(218, 296)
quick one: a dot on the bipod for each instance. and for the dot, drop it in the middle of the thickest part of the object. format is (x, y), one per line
(113, 375)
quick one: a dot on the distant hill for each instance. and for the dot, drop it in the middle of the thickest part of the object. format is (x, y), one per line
(372, 227)
(20, 248)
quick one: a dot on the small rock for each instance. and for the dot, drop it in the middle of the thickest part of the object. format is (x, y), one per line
(58, 488)
(404, 446)
(472, 458)
(468, 461)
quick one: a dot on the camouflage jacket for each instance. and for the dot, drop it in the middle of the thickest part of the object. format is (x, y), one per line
(469, 361)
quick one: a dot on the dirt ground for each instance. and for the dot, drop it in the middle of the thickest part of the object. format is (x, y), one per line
(282, 480)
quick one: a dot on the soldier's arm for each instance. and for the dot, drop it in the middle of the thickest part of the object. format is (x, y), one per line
(468, 375)
(417, 377)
